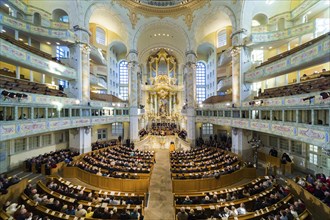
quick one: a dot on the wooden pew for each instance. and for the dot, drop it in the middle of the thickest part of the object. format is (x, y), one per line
(108, 183)
(318, 209)
(86, 204)
(13, 191)
(180, 186)
(40, 209)
(116, 194)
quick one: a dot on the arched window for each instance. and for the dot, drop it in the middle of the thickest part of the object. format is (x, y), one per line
(200, 82)
(37, 19)
(222, 38)
(123, 80)
(259, 19)
(100, 36)
(60, 15)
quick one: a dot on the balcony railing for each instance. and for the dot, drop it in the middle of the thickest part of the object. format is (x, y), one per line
(225, 84)
(295, 31)
(98, 82)
(17, 55)
(311, 55)
(61, 34)
(15, 129)
(318, 135)
(97, 56)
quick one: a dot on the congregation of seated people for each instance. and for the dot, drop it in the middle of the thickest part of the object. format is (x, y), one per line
(261, 195)
(202, 162)
(103, 144)
(118, 162)
(249, 189)
(318, 185)
(312, 83)
(74, 208)
(7, 181)
(163, 129)
(50, 159)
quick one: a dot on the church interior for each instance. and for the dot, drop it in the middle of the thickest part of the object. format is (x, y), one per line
(164, 109)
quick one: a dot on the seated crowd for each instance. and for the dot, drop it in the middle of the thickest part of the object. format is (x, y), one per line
(202, 162)
(230, 194)
(118, 162)
(33, 198)
(163, 129)
(30, 87)
(317, 185)
(315, 85)
(275, 201)
(50, 159)
(6, 182)
(103, 144)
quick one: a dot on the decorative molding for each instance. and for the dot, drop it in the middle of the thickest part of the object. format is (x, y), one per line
(161, 12)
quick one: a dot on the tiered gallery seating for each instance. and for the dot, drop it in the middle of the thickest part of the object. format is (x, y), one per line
(30, 87)
(314, 85)
(294, 50)
(25, 46)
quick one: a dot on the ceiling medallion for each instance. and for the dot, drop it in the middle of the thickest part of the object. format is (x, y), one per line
(164, 8)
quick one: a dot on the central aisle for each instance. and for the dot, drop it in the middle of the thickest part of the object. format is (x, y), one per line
(160, 205)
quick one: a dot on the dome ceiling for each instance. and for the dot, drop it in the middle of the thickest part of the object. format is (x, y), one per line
(163, 3)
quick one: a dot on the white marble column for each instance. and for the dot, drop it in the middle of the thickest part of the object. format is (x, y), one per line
(85, 68)
(190, 72)
(236, 76)
(240, 143)
(133, 70)
(80, 139)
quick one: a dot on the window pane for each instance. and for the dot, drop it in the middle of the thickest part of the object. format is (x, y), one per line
(33, 142)
(200, 82)
(222, 38)
(123, 80)
(100, 36)
(117, 128)
(20, 145)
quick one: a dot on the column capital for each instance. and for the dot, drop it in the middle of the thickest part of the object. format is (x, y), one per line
(132, 56)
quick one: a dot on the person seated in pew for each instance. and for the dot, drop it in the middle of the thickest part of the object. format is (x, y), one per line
(273, 152)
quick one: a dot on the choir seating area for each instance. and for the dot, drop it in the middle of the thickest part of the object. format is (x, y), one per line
(319, 84)
(294, 50)
(20, 85)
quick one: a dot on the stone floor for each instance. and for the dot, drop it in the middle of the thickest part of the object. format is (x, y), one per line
(160, 204)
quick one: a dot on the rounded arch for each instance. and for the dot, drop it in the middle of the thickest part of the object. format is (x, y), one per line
(218, 17)
(59, 15)
(108, 16)
(162, 25)
(20, 16)
(259, 19)
(36, 19)
(119, 48)
(204, 49)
